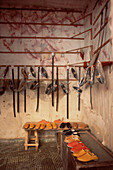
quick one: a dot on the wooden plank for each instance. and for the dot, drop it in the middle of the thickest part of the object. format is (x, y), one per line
(82, 32)
(23, 52)
(82, 18)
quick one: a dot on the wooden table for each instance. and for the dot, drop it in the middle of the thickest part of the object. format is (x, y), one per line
(105, 161)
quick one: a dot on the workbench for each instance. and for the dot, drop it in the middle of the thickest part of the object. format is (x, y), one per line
(105, 161)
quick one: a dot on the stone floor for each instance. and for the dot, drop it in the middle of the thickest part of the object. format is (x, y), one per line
(14, 157)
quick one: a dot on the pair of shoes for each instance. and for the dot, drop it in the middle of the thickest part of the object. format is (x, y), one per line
(63, 125)
(88, 156)
(73, 144)
(26, 126)
(54, 125)
(79, 147)
(71, 138)
(80, 153)
(51, 126)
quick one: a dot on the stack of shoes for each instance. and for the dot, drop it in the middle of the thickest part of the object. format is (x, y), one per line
(26, 126)
(81, 151)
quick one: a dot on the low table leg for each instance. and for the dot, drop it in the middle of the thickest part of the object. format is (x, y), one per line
(26, 139)
(36, 140)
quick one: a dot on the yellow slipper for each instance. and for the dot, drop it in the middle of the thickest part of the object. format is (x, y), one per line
(54, 125)
(49, 126)
(42, 126)
(32, 125)
(80, 153)
(26, 126)
(87, 157)
(37, 126)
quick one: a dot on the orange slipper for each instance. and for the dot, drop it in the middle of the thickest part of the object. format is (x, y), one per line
(32, 125)
(54, 125)
(26, 126)
(42, 126)
(49, 126)
(74, 125)
(82, 125)
(37, 126)
(42, 121)
(58, 121)
(87, 157)
(80, 153)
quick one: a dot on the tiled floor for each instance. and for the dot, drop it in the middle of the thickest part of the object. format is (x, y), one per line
(14, 157)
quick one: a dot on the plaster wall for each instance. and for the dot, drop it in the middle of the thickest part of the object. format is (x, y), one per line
(11, 127)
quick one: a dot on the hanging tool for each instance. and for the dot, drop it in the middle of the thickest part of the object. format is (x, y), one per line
(53, 78)
(5, 71)
(38, 89)
(13, 92)
(18, 71)
(79, 92)
(67, 92)
(32, 72)
(25, 91)
(57, 99)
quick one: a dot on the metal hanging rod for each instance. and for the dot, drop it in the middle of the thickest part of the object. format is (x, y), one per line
(39, 65)
(23, 52)
(19, 37)
(44, 9)
(34, 23)
(43, 79)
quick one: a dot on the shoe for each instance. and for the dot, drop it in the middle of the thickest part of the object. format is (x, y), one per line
(87, 157)
(42, 126)
(78, 147)
(68, 133)
(74, 72)
(58, 121)
(26, 126)
(62, 125)
(32, 72)
(80, 153)
(42, 121)
(54, 125)
(32, 125)
(68, 125)
(73, 144)
(44, 72)
(71, 138)
(37, 126)
(75, 125)
(49, 126)
(82, 125)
